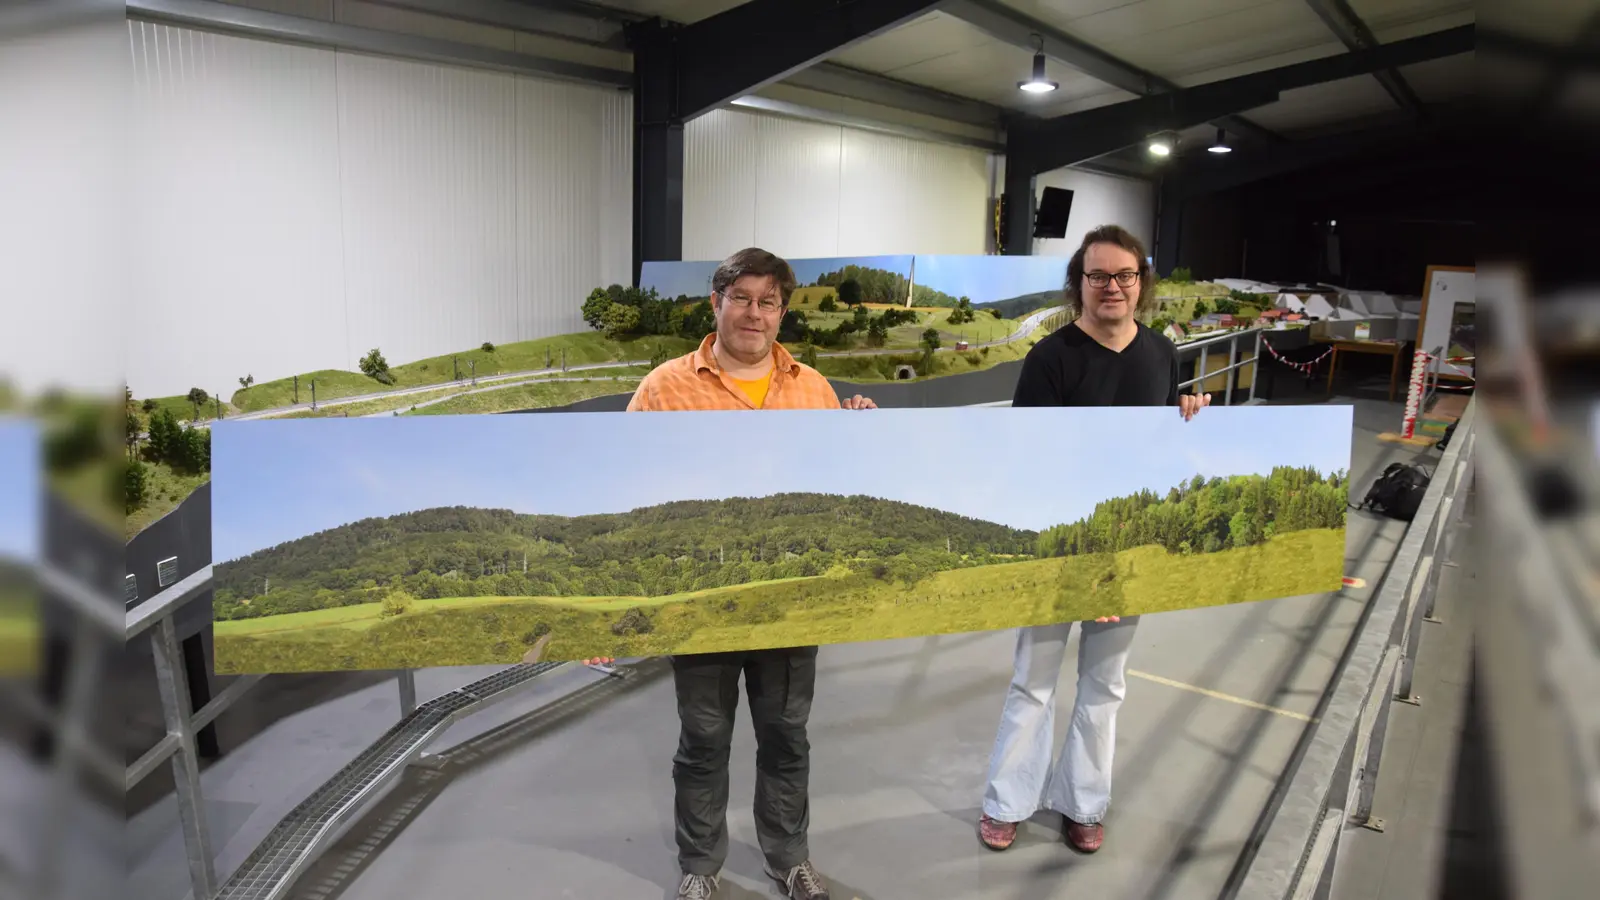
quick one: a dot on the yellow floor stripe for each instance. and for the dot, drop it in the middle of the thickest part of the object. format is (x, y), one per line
(1218, 695)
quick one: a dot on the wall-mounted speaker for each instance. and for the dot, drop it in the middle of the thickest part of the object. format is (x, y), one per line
(1055, 209)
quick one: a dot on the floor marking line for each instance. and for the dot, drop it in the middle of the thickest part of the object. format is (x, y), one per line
(1218, 695)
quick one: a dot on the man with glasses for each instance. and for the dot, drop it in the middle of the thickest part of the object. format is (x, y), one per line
(1104, 357)
(741, 366)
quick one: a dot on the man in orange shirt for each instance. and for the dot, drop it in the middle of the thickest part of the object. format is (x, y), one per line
(742, 366)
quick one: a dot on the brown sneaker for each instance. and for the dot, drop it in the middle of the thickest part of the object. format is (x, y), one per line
(996, 835)
(1085, 838)
(802, 882)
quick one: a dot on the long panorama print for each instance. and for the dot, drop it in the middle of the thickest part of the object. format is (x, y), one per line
(387, 543)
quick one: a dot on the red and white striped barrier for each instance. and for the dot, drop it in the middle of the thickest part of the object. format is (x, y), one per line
(1419, 378)
(1419, 374)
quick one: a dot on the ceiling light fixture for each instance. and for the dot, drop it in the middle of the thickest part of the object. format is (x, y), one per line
(1038, 84)
(1221, 146)
(1162, 144)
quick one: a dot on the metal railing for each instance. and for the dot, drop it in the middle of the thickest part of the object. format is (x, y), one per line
(1203, 347)
(1232, 339)
(307, 831)
(1331, 788)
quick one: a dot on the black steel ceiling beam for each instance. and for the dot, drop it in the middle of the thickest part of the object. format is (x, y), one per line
(570, 20)
(756, 43)
(1262, 163)
(1065, 140)
(1344, 22)
(1007, 24)
(843, 81)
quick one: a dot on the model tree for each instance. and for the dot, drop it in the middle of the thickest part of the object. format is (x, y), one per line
(197, 398)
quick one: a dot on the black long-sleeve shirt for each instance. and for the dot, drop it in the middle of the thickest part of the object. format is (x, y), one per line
(1070, 368)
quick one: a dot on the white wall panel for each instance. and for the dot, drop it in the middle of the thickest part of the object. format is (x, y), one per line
(797, 187)
(302, 206)
(720, 172)
(235, 239)
(1099, 199)
(575, 200)
(427, 156)
(805, 189)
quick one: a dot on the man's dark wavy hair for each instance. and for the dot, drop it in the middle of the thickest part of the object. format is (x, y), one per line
(754, 261)
(1116, 235)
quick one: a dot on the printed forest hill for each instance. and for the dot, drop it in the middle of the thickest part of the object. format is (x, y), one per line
(674, 547)
(1018, 307)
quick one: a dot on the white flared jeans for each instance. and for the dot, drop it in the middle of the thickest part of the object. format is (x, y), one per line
(1024, 774)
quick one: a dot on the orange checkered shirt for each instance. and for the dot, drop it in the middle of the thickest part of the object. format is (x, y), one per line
(695, 381)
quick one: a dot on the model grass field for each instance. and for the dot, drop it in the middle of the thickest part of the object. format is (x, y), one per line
(464, 540)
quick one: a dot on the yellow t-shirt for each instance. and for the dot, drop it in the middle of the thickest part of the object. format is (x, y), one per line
(755, 389)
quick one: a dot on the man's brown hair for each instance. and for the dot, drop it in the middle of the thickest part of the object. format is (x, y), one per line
(754, 261)
(1118, 236)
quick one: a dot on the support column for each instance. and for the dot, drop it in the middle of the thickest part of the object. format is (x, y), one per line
(1169, 225)
(1020, 201)
(657, 146)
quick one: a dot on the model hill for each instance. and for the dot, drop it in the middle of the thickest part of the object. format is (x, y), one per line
(673, 547)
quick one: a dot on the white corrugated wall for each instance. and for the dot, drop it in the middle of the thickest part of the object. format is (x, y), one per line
(1099, 199)
(805, 189)
(296, 207)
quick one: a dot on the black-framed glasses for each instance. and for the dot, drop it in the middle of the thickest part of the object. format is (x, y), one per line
(1101, 279)
(766, 304)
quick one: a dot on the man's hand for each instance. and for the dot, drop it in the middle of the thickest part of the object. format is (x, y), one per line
(1104, 619)
(600, 661)
(859, 402)
(1189, 404)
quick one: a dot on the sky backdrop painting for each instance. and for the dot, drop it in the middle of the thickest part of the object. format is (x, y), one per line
(275, 481)
(19, 490)
(672, 279)
(985, 279)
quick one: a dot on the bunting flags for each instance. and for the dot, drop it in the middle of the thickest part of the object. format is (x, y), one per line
(1304, 368)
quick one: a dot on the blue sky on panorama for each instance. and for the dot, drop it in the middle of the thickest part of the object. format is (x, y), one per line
(693, 278)
(985, 279)
(19, 489)
(274, 481)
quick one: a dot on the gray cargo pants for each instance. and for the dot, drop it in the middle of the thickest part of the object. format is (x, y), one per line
(779, 684)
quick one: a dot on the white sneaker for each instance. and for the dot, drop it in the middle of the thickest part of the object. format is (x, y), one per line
(697, 887)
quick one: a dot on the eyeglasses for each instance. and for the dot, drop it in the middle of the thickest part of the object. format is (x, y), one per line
(765, 304)
(1101, 279)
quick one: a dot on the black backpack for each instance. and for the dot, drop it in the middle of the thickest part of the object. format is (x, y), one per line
(1398, 491)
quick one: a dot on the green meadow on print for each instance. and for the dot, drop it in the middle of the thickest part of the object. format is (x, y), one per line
(465, 540)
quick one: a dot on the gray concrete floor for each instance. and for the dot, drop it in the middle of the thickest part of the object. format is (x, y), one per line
(566, 790)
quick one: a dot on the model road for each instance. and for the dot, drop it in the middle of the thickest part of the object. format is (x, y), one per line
(505, 379)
